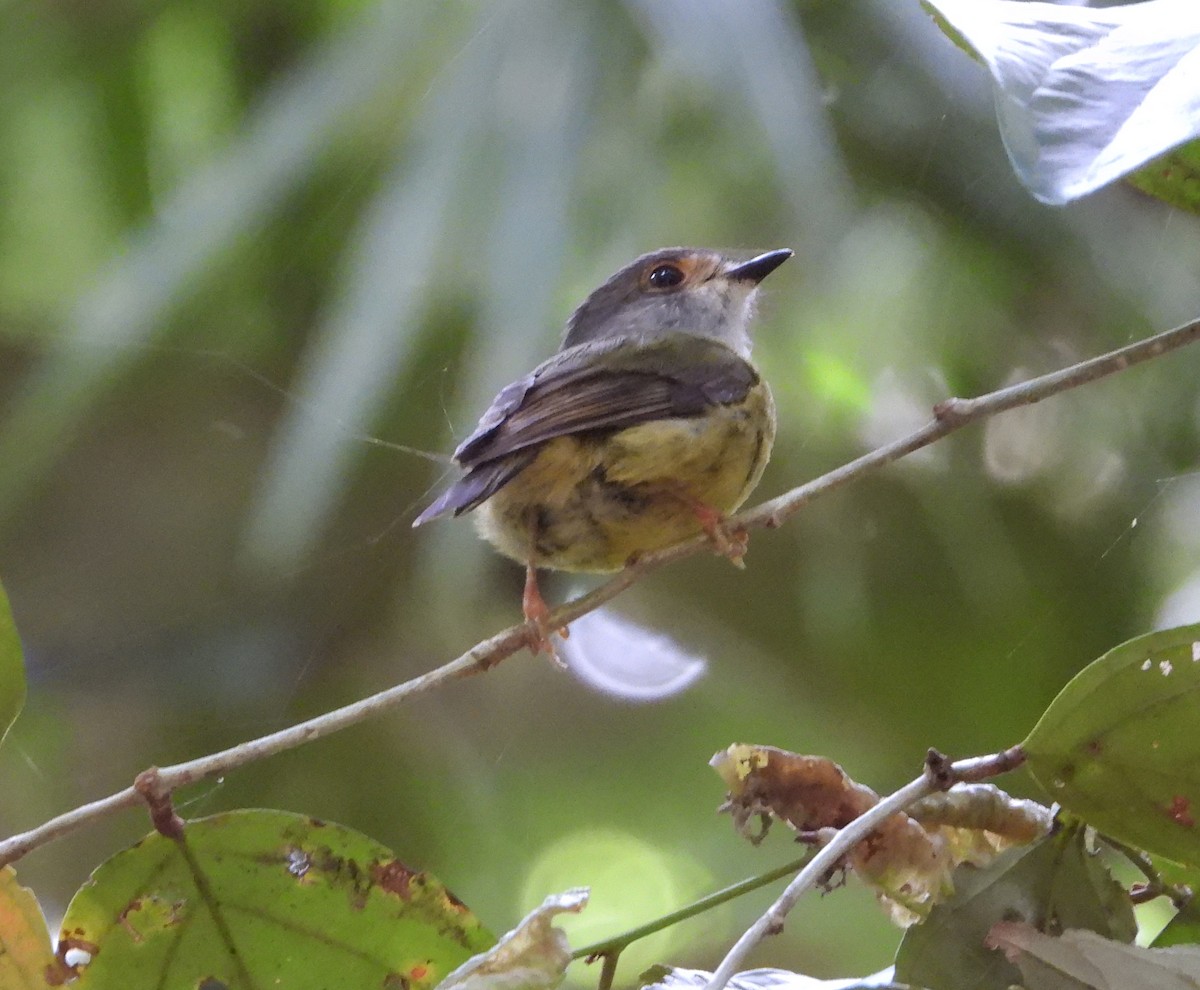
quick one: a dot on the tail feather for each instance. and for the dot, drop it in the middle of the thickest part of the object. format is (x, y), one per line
(475, 487)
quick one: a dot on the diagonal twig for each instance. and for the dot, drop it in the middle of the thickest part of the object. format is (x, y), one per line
(949, 416)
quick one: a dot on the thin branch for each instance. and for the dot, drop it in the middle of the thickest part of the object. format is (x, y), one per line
(949, 416)
(168, 779)
(938, 776)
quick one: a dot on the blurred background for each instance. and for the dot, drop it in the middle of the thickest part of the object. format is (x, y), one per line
(245, 246)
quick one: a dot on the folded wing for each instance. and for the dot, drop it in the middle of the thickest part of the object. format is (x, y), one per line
(591, 387)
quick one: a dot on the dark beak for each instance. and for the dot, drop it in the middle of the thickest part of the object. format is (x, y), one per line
(756, 269)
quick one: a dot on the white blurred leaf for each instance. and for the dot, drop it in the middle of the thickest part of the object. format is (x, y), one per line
(1085, 95)
(770, 979)
(535, 954)
(1083, 960)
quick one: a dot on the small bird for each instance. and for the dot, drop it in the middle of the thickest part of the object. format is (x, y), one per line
(647, 427)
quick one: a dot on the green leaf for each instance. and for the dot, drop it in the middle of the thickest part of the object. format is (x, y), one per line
(12, 669)
(253, 899)
(1120, 746)
(1057, 883)
(26, 958)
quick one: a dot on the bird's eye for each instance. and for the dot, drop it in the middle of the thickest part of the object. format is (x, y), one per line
(665, 277)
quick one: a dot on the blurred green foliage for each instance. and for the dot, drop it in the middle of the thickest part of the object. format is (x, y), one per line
(12, 669)
(238, 241)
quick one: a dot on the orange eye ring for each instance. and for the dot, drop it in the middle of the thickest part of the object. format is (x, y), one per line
(665, 277)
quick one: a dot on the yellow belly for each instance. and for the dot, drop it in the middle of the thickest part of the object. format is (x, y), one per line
(589, 503)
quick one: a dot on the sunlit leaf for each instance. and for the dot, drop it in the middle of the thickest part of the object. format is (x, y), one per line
(26, 958)
(12, 669)
(836, 382)
(1085, 95)
(1083, 960)
(1183, 929)
(1120, 748)
(265, 898)
(1057, 883)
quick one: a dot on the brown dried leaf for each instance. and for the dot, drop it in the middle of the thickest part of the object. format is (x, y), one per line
(807, 792)
(909, 858)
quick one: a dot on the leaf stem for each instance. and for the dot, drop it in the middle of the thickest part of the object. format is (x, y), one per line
(608, 969)
(1155, 885)
(613, 947)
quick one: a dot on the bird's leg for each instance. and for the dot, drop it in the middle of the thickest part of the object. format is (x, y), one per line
(729, 541)
(537, 614)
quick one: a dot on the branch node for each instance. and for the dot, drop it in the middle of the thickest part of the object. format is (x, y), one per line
(939, 770)
(489, 653)
(150, 788)
(1142, 893)
(835, 877)
(953, 410)
(984, 768)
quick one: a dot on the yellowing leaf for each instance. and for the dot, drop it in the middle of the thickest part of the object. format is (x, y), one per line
(26, 959)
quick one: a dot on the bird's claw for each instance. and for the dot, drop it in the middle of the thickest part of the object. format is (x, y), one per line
(730, 542)
(538, 629)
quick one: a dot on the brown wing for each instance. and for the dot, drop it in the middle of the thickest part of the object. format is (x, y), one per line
(609, 386)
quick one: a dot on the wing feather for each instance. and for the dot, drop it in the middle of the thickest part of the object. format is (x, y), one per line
(607, 385)
(610, 387)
